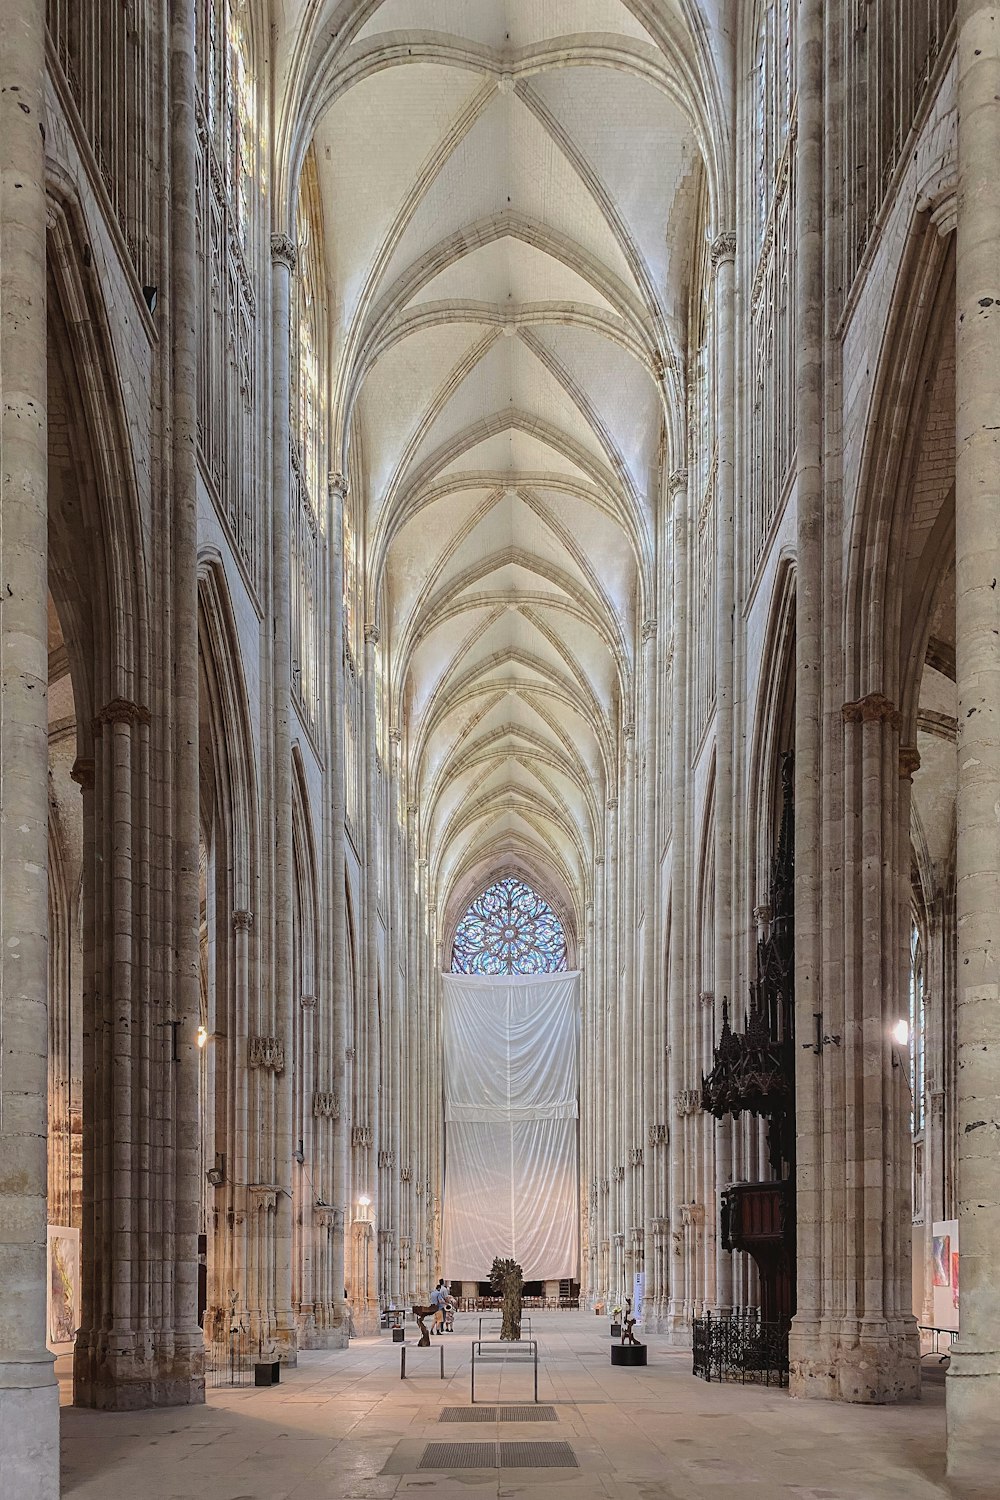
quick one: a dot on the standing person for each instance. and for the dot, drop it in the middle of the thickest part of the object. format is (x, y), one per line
(450, 1307)
(437, 1302)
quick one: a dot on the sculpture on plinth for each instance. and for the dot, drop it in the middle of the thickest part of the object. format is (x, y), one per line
(628, 1324)
(507, 1280)
(420, 1313)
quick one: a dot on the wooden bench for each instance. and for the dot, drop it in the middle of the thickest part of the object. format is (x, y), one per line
(509, 1351)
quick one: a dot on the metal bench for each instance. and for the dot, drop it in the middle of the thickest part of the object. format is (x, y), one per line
(935, 1334)
(520, 1352)
(495, 1326)
(438, 1349)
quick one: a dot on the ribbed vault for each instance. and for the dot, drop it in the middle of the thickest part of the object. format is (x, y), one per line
(508, 190)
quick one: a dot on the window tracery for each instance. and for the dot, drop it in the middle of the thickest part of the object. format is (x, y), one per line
(509, 929)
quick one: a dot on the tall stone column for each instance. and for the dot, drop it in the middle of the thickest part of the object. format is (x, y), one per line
(335, 1184)
(806, 1352)
(283, 258)
(648, 1105)
(677, 1311)
(29, 1403)
(615, 931)
(723, 256)
(629, 1030)
(973, 1386)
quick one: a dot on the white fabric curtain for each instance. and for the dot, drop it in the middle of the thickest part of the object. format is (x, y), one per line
(511, 1087)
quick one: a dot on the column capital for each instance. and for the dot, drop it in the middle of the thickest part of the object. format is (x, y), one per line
(325, 1105)
(612, 804)
(723, 248)
(909, 762)
(395, 734)
(284, 251)
(337, 484)
(677, 480)
(83, 772)
(242, 921)
(648, 631)
(371, 634)
(120, 711)
(872, 708)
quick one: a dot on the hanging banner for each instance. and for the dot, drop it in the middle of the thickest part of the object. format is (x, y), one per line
(511, 1086)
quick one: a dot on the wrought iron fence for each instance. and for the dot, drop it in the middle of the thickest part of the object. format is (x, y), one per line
(229, 1360)
(741, 1349)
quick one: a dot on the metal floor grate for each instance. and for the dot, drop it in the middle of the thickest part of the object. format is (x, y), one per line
(498, 1456)
(498, 1414)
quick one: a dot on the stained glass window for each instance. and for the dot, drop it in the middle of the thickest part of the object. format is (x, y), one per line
(509, 929)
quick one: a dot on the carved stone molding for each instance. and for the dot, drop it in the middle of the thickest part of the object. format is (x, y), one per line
(636, 1234)
(361, 1135)
(120, 711)
(658, 1135)
(687, 1102)
(661, 1227)
(308, 1002)
(349, 1054)
(909, 762)
(395, 734)
(873, 708)
(263, 1196)
(284, 251)
(386, 1237)
(406, 1174)
(937, 195)
(677, 481)
(83, 772)
(387, 1158)
(706, 997)
(326, 1105)
(618, 1173)
(692, 1214)
(628, 728)
(371, 634)
(242, 921)
(619, 1237)
(605, 1185)
(328, 1218)
(266, 1052)
(723, 248)
(635, 1156)
(337, 485)
(648, 631)
(612, 804)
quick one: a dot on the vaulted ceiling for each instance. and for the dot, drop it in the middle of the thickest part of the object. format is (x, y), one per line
(508, 192)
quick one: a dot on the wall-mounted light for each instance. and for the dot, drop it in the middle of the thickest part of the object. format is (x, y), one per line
(364, 1201)
(901, 1033)
(201, 1036)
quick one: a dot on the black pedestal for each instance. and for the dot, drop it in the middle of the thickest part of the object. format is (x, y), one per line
(269, 1374)
(616, 1330)
(399, 1335)
(628, 1354)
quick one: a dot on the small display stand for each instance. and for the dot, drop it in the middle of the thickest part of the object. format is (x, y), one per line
(629, 1351)
(267, 1373)
(628, 1354)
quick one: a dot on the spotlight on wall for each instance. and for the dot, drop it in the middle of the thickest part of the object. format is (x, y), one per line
(201, 1036)
(901, 1033)
(364, 1200)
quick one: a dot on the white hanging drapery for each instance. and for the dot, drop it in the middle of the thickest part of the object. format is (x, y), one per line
(511, 1109)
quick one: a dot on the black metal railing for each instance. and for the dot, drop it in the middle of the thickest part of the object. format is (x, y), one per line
(740, 1349)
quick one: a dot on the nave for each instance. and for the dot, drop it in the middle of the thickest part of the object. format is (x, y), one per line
(342, 1426)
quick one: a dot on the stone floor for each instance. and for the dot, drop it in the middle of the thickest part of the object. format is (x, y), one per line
(344, 1425)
